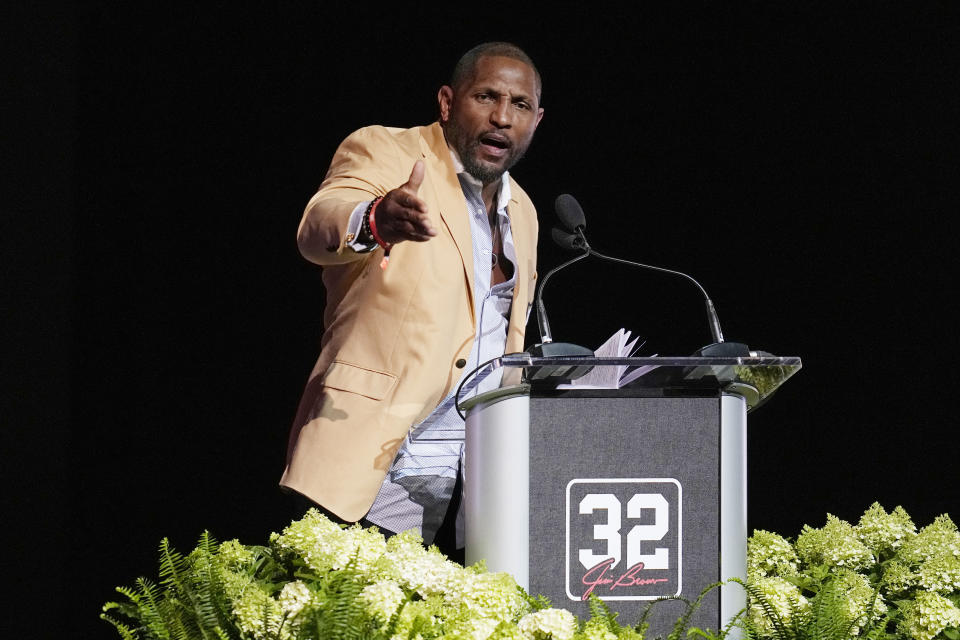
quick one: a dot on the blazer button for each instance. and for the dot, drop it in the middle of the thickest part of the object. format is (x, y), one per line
(461, 363)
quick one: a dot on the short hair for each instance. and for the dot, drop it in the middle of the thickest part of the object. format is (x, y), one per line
(468, 61)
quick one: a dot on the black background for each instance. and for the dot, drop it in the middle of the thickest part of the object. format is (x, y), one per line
(800, 161)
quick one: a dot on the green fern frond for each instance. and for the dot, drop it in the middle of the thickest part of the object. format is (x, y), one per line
(391, 627)
(172, 565)
(152, 609)
(538, 602)
(600, 611)
(770, 613)
(125, 632)
(128, 609)
(131, 594)
(343, 611)
(680, 627)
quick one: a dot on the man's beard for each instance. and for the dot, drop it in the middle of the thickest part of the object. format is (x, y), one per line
(468, 150)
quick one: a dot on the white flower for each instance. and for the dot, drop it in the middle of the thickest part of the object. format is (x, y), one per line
(260, 615)
(382, 599)
(426, 571)
(835, 545)
(859, 597)
(294, 597)
(883, 532)
(596, 629)
(324, 545)
(783, 597)
(938, 538)
(232, 554)
(549, 624)
(929, 614)
(769, 554)
(477, 628)
(940, 573)
(898, 578)
(487, 595)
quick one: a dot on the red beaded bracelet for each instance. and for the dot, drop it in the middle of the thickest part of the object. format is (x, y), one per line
(386, 246)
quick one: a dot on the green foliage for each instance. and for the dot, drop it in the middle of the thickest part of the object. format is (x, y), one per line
(681, 628)
(189, 603)
(880, 579)
(827, 618)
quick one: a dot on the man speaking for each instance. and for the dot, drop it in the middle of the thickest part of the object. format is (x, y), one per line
(428, 249)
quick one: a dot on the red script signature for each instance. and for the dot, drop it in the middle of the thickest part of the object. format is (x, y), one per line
(600, 576)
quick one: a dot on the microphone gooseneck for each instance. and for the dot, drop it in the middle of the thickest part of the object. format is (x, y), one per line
(712, 318)
(571, 215)
(542, 322)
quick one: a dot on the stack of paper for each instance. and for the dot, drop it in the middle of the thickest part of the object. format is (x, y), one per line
(618, 345)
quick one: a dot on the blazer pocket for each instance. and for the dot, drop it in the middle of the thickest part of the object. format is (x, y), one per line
(360, 380)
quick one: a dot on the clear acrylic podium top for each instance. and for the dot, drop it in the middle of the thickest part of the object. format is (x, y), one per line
(756, 378)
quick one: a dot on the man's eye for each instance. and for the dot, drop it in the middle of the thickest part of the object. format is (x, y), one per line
(484, 97)
(525, 106)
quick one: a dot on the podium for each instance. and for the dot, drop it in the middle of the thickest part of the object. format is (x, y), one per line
(632, 494)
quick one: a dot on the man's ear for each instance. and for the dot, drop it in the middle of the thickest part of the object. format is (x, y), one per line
(445, 100)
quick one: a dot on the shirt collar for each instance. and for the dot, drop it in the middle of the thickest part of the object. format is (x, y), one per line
(503, 195)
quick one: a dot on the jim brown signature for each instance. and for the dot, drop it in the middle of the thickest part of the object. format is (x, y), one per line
(600, 576)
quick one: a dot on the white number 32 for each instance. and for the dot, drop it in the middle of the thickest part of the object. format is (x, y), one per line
(609, 530)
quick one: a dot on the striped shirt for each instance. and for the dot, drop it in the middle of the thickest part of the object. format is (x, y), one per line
(419, 485)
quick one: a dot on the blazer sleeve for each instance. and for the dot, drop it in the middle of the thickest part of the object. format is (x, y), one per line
(367, 164)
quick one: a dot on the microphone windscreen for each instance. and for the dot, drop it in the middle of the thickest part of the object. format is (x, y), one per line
(569, 211)
(568, 241)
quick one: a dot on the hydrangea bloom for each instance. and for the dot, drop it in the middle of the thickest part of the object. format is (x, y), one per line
(939, 537)
(898, 578)
(940, 573)
(382, 598)
(487, 595)
(596, 629)
(548, 624)
(260, 615)
(427, 614)
(883, 532)
(234, 555)
(769, 554)
(507, 631)
(779, 594)
(294, 597)
(325, 545)
(859, 597)
(928, 615)
(474, 628)
(407, 562)
(835, 545)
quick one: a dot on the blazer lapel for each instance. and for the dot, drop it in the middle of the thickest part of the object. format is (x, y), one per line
(520, 230)
(453, 206)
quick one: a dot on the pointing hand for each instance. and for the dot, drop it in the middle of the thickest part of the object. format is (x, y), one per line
(402, 215)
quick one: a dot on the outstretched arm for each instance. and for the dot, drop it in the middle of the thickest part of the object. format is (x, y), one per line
(368, 164)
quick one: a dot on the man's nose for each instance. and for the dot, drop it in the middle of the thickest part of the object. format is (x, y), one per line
(501, 114)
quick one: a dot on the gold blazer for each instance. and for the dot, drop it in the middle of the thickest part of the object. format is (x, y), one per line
(392, 336)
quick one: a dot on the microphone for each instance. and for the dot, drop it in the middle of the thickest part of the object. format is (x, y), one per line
(568, 241)
(556, 374)
(571, 215)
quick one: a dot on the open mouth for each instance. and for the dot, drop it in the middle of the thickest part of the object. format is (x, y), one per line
(495, 142)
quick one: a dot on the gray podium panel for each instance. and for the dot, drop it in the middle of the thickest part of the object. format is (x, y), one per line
(620, 489)
(632, 494)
